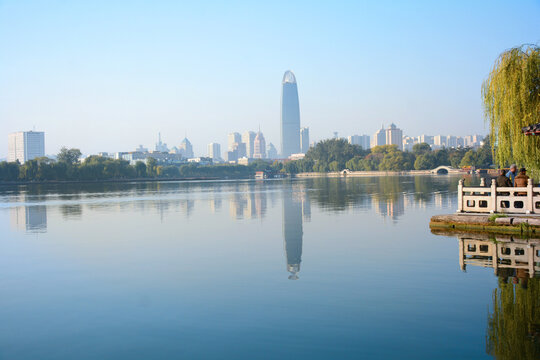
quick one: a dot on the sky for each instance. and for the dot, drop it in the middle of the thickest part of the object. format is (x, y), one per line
(110, 75)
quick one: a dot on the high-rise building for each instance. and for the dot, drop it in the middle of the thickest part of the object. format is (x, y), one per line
(362, 140)
(394, 136)
(248, 138)
(271, 151)
(233, 138)
(439, 141)
(428, 139)
(379, 138)
(186, 149)
(259, 146)
(161, 146)
(214, 151)
(408, 143)
(304, 140)
(290, 116)
(451, 141)
(26, 145)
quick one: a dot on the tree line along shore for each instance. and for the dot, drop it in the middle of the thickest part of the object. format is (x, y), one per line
(326, 156)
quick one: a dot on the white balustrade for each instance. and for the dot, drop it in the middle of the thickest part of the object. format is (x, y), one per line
(493, 199)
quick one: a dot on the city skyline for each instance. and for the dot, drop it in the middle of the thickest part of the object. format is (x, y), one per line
(107, 87)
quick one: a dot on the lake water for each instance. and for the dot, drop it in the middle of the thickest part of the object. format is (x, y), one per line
(290, 269)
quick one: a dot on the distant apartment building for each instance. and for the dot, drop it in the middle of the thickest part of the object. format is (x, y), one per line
(232, 139)
(248, 138)
(428, 139)
(362, 140)
(214, 151)
(304, 140)
(26, 145)
(394, 136)
(439, 141)
(379, 138)
(451, 141)
(473, 140)
(408, 143)
(163, 158)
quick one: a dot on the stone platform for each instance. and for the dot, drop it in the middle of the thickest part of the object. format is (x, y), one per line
(498, 223)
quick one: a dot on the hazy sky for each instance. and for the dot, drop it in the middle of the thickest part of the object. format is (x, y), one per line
(109, 75)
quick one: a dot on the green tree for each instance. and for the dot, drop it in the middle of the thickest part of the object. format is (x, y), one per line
(511, 96)
(330, 150)
(151, 167)
(421, 148)
(69, 156)
(140, 169)
(425, 161)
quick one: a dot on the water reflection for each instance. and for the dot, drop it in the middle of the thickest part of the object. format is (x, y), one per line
(388, 196)
(32, 219)
(296, 208)
(513, 330)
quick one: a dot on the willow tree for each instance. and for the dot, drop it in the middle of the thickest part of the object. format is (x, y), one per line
(511, 96)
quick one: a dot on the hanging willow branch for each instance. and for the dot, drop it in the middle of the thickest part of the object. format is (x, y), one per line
(511, 95)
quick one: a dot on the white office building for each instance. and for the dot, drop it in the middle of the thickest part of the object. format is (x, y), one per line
(26, 145)
(379, 138)
(394, 136)
(214, 151)
(362, 140)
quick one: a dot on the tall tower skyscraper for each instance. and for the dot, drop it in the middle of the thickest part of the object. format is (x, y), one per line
(304, 140)
(248, 138)
(26, 145)
(259, 146)
(290, 116)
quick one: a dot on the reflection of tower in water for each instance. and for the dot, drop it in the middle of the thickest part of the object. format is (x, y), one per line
(292, 234)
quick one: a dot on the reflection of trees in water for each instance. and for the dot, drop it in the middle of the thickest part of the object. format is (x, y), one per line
(71, 211)
(514, 325)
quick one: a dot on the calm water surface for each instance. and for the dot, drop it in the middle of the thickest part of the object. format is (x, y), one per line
(303, 269)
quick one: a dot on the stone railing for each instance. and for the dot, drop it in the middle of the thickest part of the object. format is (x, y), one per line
(493, 199)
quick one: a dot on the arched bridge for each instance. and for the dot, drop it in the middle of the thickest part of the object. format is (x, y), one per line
(443, 169)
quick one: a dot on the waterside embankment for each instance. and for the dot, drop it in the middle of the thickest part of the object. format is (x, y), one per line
(527, 225)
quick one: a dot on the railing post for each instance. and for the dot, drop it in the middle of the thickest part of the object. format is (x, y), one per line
(530, 208)
(494, 205)
(460, 195)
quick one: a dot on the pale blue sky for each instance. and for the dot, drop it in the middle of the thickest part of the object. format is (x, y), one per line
(108, 75)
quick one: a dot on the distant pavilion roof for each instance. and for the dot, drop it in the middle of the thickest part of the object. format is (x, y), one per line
(531, 129)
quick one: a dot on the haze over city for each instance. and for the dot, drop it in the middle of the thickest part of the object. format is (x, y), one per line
(107, 77)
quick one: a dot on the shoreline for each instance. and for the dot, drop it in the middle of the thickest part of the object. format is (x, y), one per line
(202, 178)
(526, 225)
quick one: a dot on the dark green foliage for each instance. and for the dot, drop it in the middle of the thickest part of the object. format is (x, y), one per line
(69, 156)
(337, 154)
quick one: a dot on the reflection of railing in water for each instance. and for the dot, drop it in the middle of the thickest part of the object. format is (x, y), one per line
(504, 253)
(519, 200)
